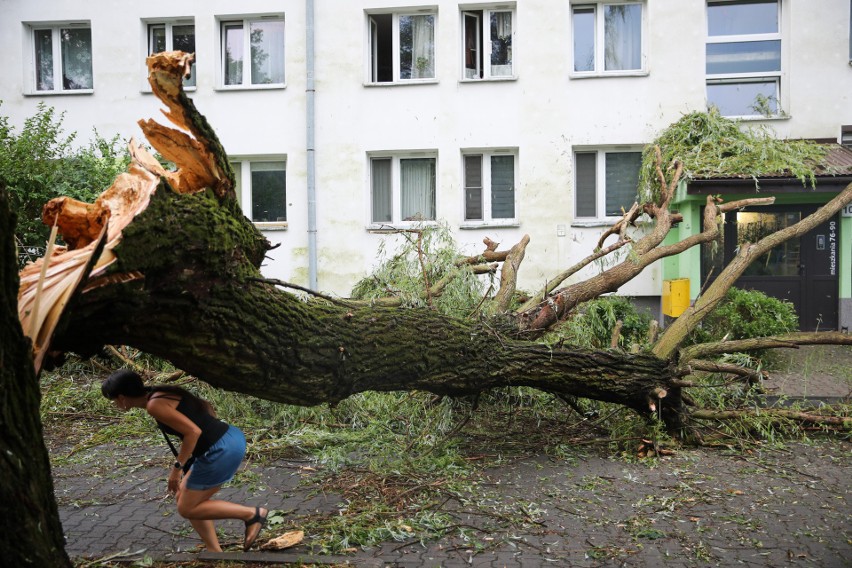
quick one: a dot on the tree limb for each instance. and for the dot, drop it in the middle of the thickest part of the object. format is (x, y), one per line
(786, 341)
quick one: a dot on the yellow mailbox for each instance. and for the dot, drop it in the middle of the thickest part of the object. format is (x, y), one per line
(675, 296)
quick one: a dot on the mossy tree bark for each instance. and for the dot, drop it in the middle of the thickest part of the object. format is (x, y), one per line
(178, 277)
(30, 531)
(206, 308)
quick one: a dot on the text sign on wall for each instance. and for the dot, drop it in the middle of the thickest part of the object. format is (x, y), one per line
(846, 211)
(832, 248)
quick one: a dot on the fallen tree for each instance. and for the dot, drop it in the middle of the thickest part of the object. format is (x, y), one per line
(166, 262)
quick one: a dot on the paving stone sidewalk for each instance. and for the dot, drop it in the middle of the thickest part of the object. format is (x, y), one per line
(786, 507)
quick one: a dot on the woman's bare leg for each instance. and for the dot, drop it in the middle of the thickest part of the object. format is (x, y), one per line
(207, 531)
(196, 506)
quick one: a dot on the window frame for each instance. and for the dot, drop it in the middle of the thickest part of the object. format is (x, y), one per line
(396, 191)
(488, 219)
(30, 72)
(168, 24)
(245, 20)
(600, 217)
(600, 40)
(748, 77)
(243, 188)
(484, 45)
(371, 72)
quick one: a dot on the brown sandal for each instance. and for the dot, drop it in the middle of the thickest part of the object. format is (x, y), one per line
(251, 534)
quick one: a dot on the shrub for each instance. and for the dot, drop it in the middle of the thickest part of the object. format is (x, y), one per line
(594, 322)
(745, 314)
(41, 163)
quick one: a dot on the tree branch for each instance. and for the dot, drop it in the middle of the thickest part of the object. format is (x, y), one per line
(786, 341)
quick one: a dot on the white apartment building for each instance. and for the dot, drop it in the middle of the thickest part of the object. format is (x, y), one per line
(347, 118)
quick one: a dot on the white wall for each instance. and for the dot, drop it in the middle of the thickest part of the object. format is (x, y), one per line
(544, 113)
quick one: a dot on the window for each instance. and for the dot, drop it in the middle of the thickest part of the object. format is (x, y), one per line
(402, 47)
(605, 182)
(62, 58)
(489, 187)
(261, 40)
(487, 43)
(608, 38)
(402, 189)
(173, 36)
(744, 57)
(262, 189)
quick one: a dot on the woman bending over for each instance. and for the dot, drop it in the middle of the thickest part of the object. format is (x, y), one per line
(210, 453)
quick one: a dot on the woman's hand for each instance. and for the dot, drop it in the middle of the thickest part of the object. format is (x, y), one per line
(174, 479)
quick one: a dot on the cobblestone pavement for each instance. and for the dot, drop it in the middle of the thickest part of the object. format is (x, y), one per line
(698, 507)
(778, 508)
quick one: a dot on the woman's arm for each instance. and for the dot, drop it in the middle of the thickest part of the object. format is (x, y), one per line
(165, 411)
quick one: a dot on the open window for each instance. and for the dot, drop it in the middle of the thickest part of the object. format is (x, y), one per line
(402, 47)
(487, 37)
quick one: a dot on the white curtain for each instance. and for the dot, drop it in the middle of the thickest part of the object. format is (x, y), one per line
(623, 36)
(417, 189)
(267, 52)
(423, 47)
(76, 58)
(501, 44)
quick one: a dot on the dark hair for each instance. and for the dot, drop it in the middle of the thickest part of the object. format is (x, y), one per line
(129, 383)
(124, 382)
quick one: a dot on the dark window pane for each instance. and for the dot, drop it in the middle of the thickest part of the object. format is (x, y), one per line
(585, 179)
(381, 183)
(502, 187)
(381, 47)
(268, 192)
(156, 38)
(622, 181)
(783, 260)
(184, 40)
(473, 188)
(472, 45)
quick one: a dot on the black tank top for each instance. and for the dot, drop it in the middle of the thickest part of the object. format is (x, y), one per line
(211, 427)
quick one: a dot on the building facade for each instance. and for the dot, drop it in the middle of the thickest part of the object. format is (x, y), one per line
(345, 120)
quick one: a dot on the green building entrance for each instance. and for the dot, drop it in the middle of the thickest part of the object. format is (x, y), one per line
(802, 270)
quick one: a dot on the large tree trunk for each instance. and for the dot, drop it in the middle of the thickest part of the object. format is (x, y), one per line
(170, 266)
(30, 532)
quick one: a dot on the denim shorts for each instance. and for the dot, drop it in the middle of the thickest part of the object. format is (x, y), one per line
(218, 464)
